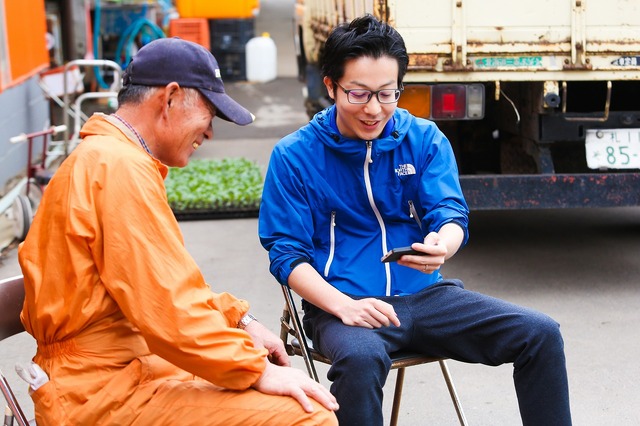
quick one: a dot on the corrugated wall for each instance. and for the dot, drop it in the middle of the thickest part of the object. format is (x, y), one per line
(23, 109)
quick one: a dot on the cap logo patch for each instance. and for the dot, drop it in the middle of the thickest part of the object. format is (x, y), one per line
(217, 71)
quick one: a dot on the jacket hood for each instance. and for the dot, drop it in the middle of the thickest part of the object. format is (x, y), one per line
(326, 130)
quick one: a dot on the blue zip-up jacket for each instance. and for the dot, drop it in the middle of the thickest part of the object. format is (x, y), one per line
(340, 204)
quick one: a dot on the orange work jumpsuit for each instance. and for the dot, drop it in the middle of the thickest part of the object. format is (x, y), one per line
(127, 329)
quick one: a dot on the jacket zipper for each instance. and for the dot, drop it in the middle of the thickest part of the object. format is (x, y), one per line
(414, 214)
(367, 182)
(332, 242)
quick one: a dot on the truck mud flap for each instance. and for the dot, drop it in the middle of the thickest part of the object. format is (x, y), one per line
(505, 192)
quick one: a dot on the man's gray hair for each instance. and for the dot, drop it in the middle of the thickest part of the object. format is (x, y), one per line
(135, 94)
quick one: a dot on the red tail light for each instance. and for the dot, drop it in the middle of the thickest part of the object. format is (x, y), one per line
(449, 101)
(444, 101)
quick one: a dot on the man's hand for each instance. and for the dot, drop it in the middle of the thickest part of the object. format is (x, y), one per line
(432, 260)
(278, 380)
(263, 338)
(368, 313)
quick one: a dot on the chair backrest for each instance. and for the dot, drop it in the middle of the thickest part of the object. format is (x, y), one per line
(11, 300)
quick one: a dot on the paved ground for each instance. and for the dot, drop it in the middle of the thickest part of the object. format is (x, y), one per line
(579, 266)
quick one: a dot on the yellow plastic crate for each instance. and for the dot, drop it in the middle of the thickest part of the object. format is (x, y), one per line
(218, 9)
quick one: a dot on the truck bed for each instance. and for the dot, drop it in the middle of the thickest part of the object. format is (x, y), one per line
(507, 40)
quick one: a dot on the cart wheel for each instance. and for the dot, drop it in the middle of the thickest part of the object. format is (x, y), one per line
(22, 216)
(35, 196)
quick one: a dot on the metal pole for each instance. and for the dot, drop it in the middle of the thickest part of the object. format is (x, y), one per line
(84, 63)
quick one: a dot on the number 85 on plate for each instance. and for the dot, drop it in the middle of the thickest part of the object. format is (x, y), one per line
(613, 148)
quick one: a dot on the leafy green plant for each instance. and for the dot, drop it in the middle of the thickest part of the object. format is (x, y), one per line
(215, 185)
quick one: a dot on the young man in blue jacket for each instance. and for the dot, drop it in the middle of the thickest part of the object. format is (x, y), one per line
(364, 177)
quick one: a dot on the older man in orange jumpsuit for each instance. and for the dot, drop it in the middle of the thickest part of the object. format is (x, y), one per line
(127, 329)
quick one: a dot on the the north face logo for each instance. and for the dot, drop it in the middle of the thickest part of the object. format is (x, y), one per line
(405, 170)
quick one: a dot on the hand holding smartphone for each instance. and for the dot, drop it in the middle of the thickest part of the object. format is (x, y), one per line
(395, 254)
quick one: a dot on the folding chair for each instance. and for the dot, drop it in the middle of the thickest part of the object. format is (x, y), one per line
(301, 345)
(11, 300)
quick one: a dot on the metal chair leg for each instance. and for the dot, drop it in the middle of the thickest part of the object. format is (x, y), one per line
(397, 396)
(297, 326)
(453, 393)
(12, 403)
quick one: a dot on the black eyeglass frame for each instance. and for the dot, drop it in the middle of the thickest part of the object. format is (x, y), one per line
(371, 93)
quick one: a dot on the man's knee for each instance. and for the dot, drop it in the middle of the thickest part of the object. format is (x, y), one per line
(544, 335)
(550, 332)
(364, 364)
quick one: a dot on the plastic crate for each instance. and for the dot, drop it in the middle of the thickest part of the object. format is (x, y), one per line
(221, 9)
(233, 65)
(191, 29)
(230, 35)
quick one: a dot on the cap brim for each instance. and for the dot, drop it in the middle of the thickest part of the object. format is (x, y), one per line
(228, 109)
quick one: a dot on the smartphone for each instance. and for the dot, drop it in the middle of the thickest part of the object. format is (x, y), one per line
(394, 254)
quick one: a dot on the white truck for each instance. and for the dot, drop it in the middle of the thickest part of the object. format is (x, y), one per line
(540, 99)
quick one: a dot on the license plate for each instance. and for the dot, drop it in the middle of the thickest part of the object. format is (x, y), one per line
(613, 148)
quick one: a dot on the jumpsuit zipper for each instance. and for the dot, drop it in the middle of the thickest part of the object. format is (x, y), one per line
(332, 242)
(367, 182)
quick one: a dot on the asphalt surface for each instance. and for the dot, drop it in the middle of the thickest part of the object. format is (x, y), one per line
(581, 266)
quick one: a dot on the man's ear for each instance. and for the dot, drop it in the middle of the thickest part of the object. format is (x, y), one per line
(170, 95)
(328, 83)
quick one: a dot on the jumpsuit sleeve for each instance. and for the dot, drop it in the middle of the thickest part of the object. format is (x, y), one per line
(147, 270)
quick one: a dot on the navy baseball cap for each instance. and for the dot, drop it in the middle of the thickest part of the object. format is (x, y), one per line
(189, 64)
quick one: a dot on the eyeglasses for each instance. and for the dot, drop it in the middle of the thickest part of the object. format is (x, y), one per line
(362, 96)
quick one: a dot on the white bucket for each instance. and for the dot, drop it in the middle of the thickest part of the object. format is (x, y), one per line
(261, 59)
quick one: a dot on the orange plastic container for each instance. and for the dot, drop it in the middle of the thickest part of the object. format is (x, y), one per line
(23, 52)
(192, 29)
(218, 9)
